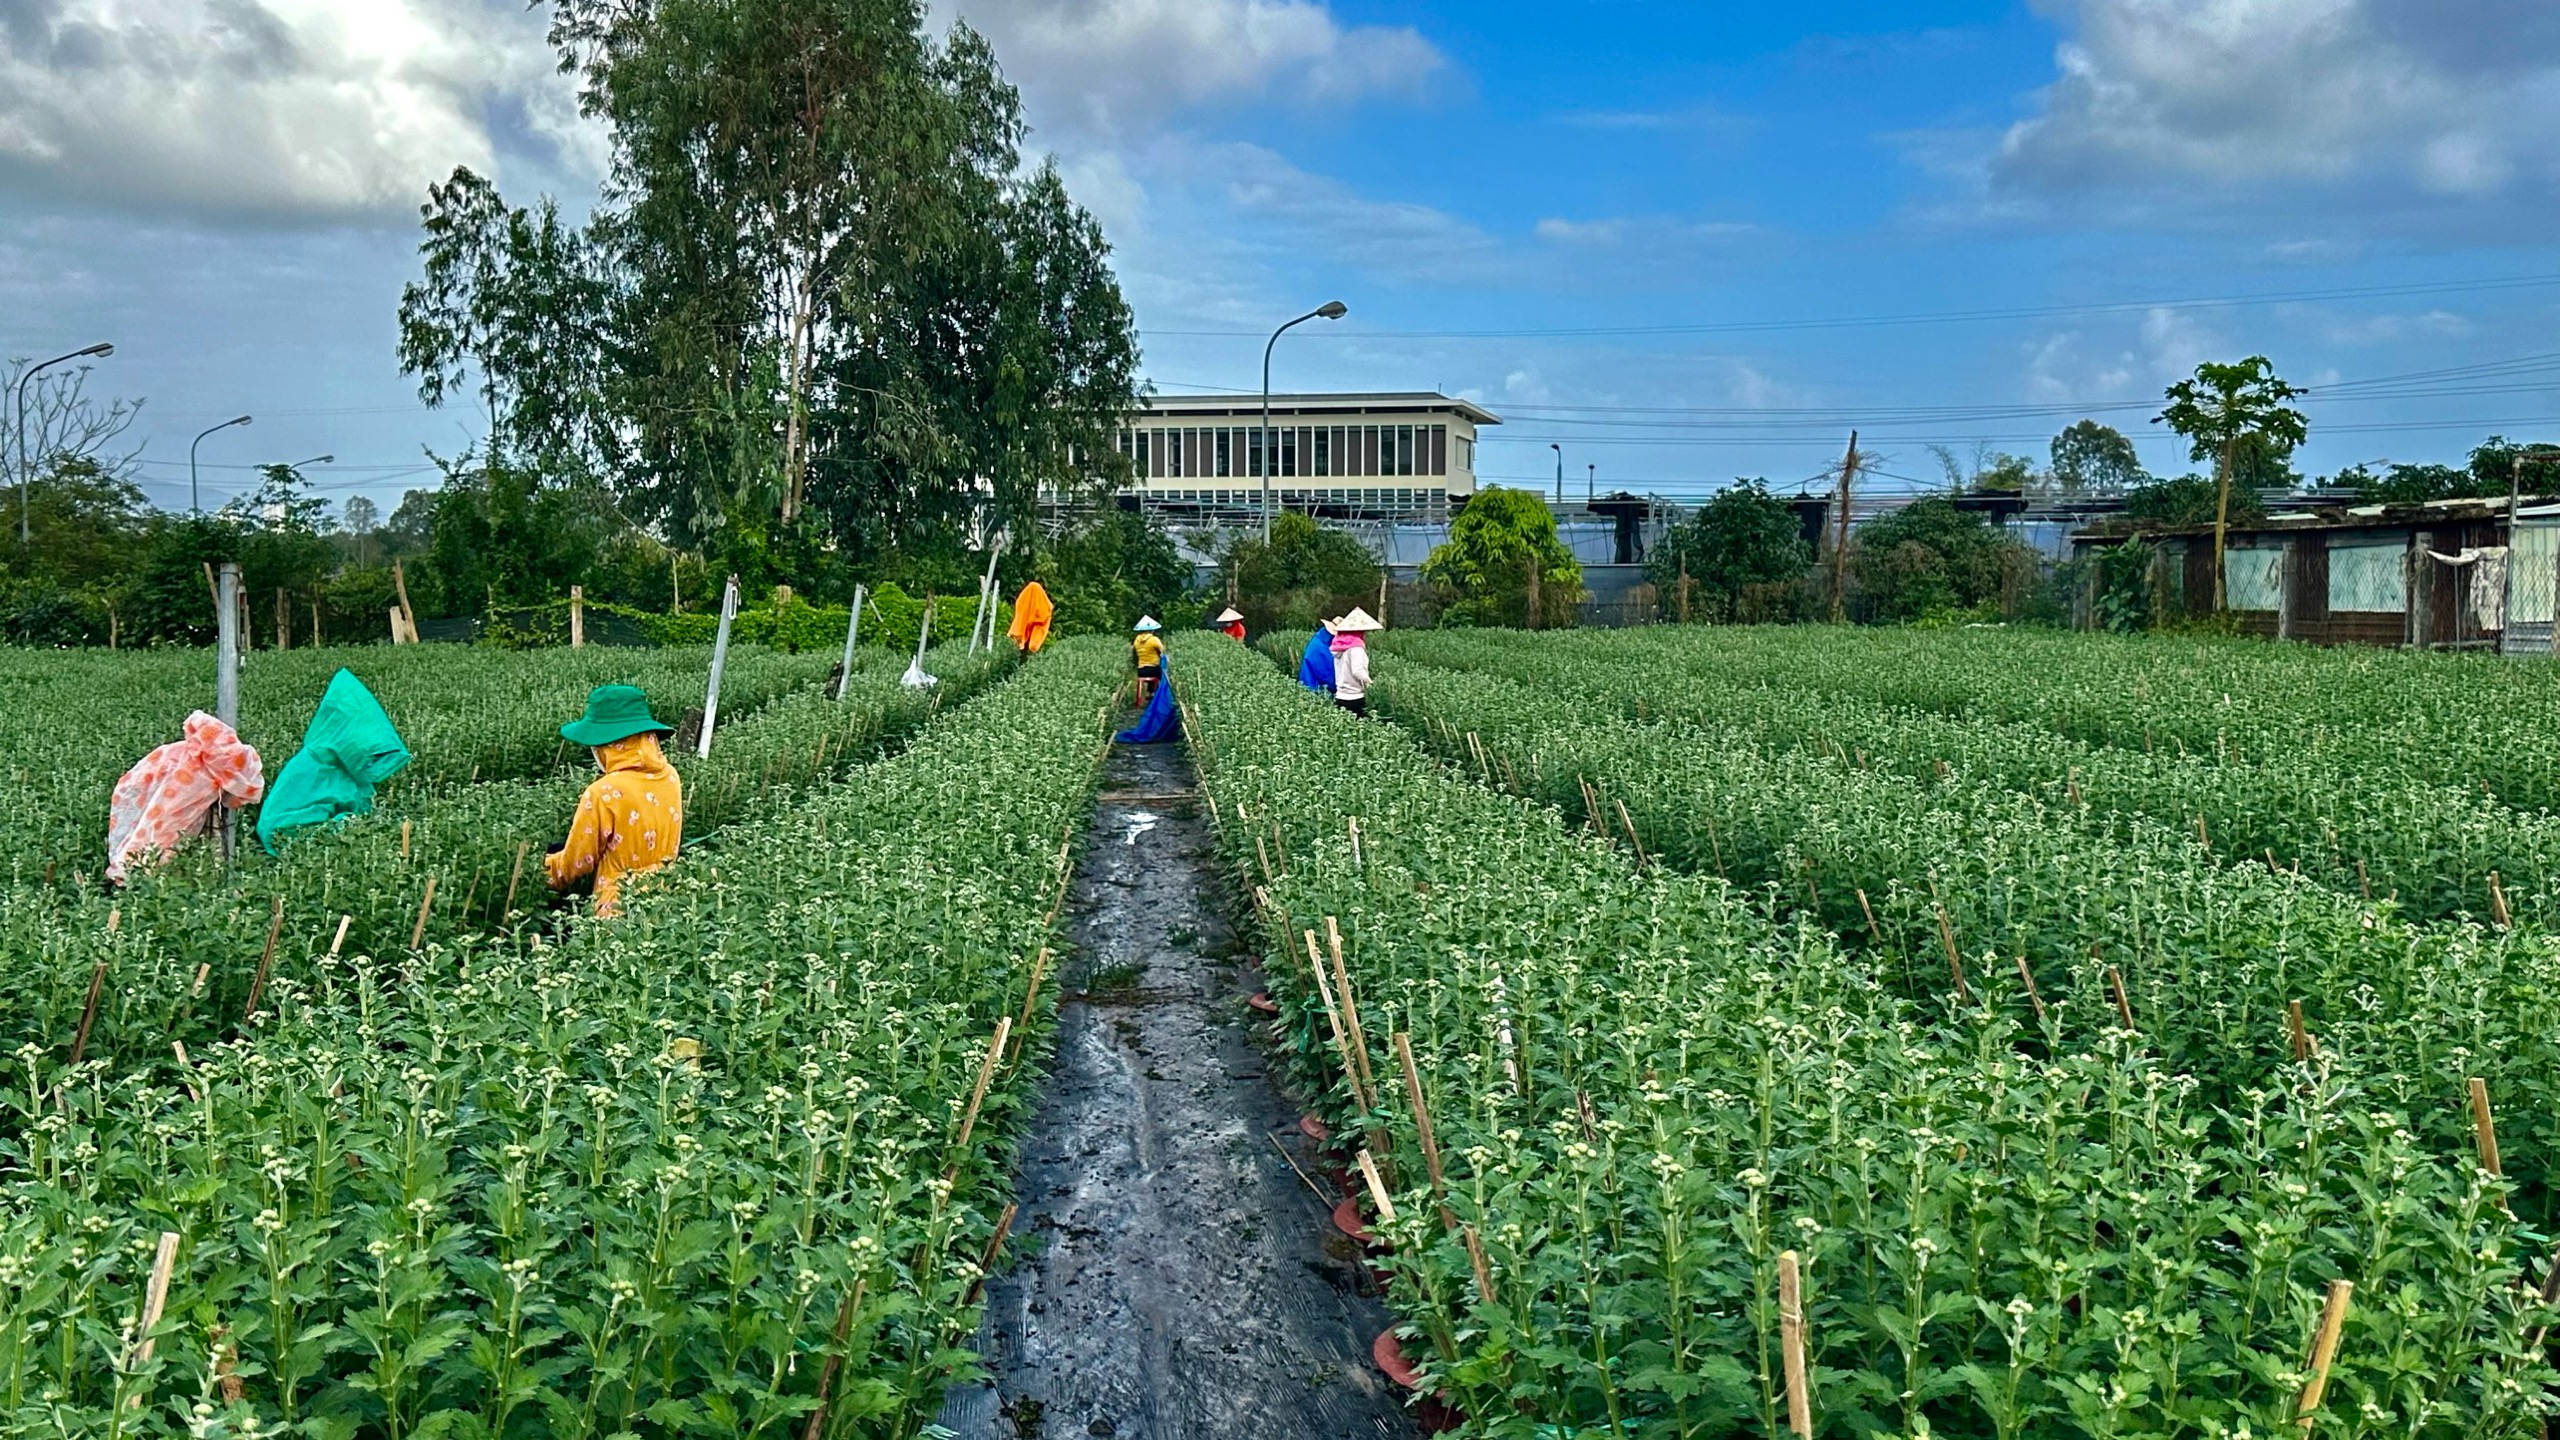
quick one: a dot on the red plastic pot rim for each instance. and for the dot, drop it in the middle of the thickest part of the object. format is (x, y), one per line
(1347, 1219)
(1388, 1352)
(1263, 1002)
(1314, 1129)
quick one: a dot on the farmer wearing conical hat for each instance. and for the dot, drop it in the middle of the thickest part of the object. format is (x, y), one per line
(1231, 623)
(1147, 648)
(632, 817)
(1351, 660)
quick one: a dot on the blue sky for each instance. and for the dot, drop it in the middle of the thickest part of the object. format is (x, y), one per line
(1686, 242)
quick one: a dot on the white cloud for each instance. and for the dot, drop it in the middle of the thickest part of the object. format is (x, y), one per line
(1560, 231)
(1116, 67)
(2073, 367)
(2390, 101)
(269, 110)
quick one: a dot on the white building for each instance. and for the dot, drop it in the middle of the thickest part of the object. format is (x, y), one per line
(1376, 457)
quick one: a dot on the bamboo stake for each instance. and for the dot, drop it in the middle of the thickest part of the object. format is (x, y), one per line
(1350, 1006)
(1354, 822)
(2498, 902)
(2029, 977)
(2304, 1047)
(1867, 910)
(335, 945)
(2202, 838)
(89, 1012)
(155, 1299)
(2324, 1349)
(2071, 786)
(258, 982)
(835, 1360)
(418, 932)
(1422, 1127)
(404, 837)
(1791, 1339)
(1955, 962)
(2124, 1007)
(2483, 1128)
(995, 1247)
(1377, 1187)
(1632, 838)
(1039, 968)
(1333, 1017)
(978, 1092)
(1475, 1258)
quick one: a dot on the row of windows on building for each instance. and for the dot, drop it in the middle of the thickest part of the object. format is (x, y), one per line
(1222, 451)
(1398, 498)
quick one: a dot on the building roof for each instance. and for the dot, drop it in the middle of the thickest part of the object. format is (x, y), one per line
(1380, 402)
(2327, 517)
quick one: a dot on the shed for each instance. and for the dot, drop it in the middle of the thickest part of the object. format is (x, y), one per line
(2434, 575)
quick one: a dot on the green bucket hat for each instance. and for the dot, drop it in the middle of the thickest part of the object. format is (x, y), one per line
(614, 712)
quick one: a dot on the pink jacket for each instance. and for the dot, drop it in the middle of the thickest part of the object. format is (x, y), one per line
(166, 798)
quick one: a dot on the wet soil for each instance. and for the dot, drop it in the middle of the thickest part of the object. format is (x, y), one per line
(1178, 1278)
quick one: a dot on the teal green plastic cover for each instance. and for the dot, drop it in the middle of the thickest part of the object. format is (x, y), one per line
(349, 749)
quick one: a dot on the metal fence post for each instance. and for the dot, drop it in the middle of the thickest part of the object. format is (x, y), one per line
(719, 662)
(852, 633)
(226, 676)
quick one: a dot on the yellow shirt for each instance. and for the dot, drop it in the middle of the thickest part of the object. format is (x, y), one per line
(1150, 650)
(630, 820)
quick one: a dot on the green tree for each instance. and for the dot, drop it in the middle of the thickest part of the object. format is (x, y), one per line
(1929, 556)
(2189, 500)
(2094, 459)
(1105, 573)
(2220, 409)
(1502, 551)
(1745, 541)
(2498, 463)
(1306, 574)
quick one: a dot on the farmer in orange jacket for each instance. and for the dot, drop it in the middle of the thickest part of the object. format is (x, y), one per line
(631, 819)
(1031, 614)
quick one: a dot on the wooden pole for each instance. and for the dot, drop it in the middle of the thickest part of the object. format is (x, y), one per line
(1333, 1017)
(577, 617)
(1955, 961)
(1377, 1187)
(1030, 994)
(2483, 1129)
(2029, 977)
(852, 633)
(89, 1011)
(2324, 1350)
(1422, 1128)
(1475, 1258)
(2304, 1047)
(155, 1298)
(1791, 1341)
(2498, 903)
(404, 838)
(1630, 826)
(978, 1092)
(1840, 535)
(1350, 1007)
(408, 612)
(1867, 910)
(418, 932)
(2124, 1007)
(844, 1328)
(258, 982)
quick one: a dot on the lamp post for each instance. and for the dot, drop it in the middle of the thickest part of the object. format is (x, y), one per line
(195, 501)
(1590, 484)
(26, 462)
(1329, 310)
(1559, 449)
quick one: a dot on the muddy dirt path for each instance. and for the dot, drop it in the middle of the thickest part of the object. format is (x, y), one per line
(1179, 1279)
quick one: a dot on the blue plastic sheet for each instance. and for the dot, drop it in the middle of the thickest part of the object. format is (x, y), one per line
(1159, 721)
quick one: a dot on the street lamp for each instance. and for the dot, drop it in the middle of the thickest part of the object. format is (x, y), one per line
(314, 460)
(1590, 484)
(26, 463)
(195, 501)
(1329, 310)
(1559, 449)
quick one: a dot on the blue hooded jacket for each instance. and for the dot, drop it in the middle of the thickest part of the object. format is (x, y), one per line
(1315, 667)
